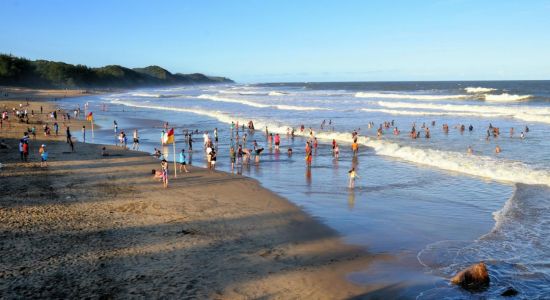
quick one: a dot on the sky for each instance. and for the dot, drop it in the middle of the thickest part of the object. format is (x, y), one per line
(284, 41)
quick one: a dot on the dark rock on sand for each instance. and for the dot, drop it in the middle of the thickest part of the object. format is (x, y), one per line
(474, 278)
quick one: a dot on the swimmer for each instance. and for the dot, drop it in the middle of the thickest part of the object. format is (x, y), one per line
(497, 149)
(470, 150)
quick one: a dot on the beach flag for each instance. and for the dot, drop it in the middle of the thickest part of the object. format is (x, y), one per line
(90, 117)
(169, 137)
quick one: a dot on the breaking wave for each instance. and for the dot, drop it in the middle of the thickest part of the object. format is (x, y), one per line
(408, 96)
(433, 113)
(274, 93)
(505, 97)
(478, 90)
(152, 95)
(259, 105)
(530, 114)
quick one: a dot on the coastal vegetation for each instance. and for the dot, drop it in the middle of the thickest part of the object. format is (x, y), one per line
(18, 71)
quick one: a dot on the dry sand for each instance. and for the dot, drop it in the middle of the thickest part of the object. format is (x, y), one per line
(102, 227)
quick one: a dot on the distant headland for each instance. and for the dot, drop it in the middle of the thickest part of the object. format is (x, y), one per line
(18, 71)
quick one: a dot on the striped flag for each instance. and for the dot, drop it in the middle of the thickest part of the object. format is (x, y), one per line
(90, 117)
(169, 137)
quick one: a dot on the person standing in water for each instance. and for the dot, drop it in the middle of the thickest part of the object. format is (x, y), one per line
(277, 141)
(232, 157)
(355, 147)
(309, 157)
(213, 158)
(352, 175)
(183, 161)
(135, 145)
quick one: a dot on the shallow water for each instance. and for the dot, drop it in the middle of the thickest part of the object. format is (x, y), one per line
(420, 200)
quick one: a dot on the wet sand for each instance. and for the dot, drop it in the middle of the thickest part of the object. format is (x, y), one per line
(95, 226)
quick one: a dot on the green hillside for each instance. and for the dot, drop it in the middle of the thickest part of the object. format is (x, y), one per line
(17, 71)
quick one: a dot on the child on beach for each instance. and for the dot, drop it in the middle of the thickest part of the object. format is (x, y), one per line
(164, 167)
(43, 156)
(156, 174)
(352, 175)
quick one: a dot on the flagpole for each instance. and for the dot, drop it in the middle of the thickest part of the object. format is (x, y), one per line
(175, 165)
(92, 121)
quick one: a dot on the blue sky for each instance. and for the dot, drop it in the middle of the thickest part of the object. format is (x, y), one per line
(264, 41)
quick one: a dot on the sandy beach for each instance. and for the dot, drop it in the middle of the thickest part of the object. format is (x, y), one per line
(102, 227)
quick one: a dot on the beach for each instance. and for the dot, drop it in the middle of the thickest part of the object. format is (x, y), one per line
(425, 202)
(101, 226)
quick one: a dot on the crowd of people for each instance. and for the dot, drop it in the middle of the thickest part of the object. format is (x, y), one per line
(242, 151)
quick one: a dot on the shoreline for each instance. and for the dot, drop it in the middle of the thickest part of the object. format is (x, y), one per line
(263, 247)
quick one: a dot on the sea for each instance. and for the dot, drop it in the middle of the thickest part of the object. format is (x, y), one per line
(429, 204)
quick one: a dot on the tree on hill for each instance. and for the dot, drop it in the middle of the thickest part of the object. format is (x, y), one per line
(42, 73)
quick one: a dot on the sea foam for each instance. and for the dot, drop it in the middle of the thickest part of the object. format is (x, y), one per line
(260, 105)
(478, 90)
(530, 114)
(408, 96)
(505, 97)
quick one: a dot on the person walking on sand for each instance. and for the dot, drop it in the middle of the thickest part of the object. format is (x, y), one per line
(68, 133)
(26, 150)
(164, 168)
(135, 146)
(183, 161)
(21, 142)
(84, 134)
(43, 156)
(352, 175)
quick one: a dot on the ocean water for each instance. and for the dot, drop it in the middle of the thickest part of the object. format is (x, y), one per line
(427, 202)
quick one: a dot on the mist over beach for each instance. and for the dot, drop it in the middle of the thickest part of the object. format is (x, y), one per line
(275, 150)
